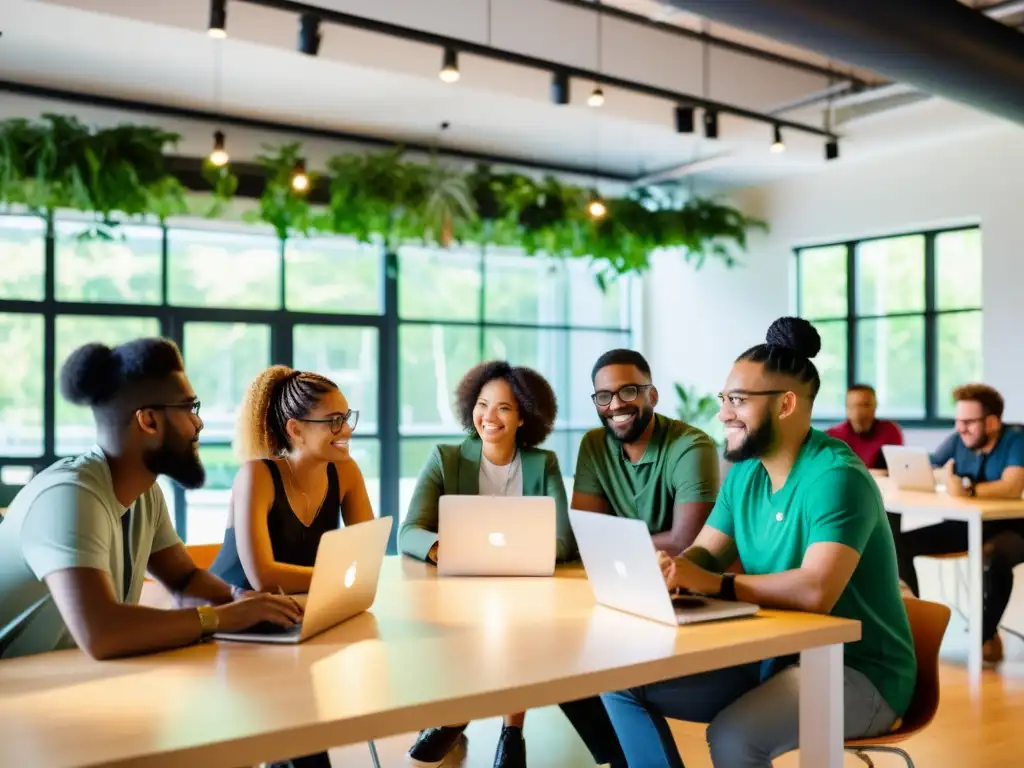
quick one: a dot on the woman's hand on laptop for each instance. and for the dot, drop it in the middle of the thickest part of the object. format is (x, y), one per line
(247, 612)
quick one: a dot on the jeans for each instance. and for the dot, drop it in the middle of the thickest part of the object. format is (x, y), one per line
(1003, 550)
(751, 720)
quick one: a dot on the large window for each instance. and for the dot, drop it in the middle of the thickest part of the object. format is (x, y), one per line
(901, 313)
(395, 332)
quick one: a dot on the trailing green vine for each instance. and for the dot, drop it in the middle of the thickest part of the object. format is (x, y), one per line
(59, 163)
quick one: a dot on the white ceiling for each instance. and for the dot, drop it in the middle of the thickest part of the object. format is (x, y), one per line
(366, 83)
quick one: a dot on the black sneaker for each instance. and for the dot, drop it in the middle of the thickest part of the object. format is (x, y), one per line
(433, 745)
(511, 752)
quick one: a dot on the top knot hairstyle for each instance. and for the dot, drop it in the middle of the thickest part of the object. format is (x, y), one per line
(788, 347)
(538, 407)
(111, 379)
(276, 395)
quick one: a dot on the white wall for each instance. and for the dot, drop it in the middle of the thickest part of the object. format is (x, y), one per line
(696, 323)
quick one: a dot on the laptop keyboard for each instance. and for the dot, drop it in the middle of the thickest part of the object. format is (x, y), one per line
(268, 628)
(688, 601)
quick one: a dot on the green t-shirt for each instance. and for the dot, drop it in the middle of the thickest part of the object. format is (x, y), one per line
(680, 465)
(829, 496)
(69, 517)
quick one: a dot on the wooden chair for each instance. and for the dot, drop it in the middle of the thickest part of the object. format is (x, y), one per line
(928, 622)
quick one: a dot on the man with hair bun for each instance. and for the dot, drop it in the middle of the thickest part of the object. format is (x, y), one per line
(806, 519)
(79, 538)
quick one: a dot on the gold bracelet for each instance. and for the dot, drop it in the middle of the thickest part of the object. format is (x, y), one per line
(208, 619)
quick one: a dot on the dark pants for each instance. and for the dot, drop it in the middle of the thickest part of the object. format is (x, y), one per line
(1003, 549)
(319, 760)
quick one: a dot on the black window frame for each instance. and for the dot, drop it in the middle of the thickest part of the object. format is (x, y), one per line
(931, 314)
(281, 321)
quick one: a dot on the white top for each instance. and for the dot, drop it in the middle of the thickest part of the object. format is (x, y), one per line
(504, 480)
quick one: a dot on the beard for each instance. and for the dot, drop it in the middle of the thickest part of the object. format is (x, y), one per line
(979, 442)
(755, 445)
(635, 430)
(178, 459)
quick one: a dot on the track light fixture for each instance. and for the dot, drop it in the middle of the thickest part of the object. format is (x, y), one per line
(309, 34)
(832, 149)
(596, 97)
(778, 145)
(449, 66)
(684, 119)
(711, 123)
(218, 19)
(300, 179)
(219, 155)
(560, 87)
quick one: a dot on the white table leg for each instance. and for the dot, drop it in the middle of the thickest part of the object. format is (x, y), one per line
(821, 707)
(974, 599)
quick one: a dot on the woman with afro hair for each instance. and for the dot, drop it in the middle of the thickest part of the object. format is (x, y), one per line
(508, 411)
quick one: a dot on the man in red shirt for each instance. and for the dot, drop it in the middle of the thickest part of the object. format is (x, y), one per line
(862, 431)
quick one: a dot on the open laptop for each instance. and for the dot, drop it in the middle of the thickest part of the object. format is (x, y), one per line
(622, 567)
(344, 584)
(496, 536)
(909, 468)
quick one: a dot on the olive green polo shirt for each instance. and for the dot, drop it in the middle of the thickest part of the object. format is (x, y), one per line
(680, 465)
(69, 517)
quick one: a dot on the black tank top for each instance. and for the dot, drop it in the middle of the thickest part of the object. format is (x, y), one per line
(291, 541)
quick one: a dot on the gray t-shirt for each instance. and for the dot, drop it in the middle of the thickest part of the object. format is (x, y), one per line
(504, 480)
(68, 517)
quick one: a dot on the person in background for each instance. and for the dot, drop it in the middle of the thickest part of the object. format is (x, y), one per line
(807, 521)
(864, 433)
(297, 483)
(79, 538)
(508, 411)
(983, 458)
(640, 464)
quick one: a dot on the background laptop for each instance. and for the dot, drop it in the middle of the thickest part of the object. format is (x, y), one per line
(622, 567)
(496, 536)
(345, 578)
(909, 468)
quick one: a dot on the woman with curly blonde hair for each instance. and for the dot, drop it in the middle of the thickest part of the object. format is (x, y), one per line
(296, 483)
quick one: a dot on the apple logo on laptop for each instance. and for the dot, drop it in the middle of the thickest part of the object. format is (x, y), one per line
(350, 576)
(620, 568)
(497, 539)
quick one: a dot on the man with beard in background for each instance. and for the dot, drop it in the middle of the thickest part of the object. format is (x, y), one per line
(983, 458)
(644, 465)
(78, 539)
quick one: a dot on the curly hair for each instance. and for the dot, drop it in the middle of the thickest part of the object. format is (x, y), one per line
(987, 397)
(537, 404)
(276, 395)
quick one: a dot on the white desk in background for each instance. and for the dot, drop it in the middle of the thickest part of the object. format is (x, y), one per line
(431, 651)
(919, 508)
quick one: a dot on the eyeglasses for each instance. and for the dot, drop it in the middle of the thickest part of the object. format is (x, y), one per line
(338, 421)
(192, 405)
(627, 394)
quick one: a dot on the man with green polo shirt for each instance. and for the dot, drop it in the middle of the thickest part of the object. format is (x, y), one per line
(808, 524)
(79, 538)
(644, 465)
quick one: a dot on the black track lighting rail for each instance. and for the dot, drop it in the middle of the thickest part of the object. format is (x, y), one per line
(533, 62)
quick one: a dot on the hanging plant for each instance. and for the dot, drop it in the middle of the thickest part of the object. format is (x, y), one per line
(448, 203)
(282, 206)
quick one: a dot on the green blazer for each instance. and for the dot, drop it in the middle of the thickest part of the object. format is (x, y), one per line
(455, 469)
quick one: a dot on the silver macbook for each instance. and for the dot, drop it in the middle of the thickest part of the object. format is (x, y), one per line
(909, 468)
(496, 536)
(344, 584)
(622, 567)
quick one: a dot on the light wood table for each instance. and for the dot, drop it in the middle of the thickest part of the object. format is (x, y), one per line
(430, 651)
(939, 506)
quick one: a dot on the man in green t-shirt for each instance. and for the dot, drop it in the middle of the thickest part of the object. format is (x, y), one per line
(641, 464)
(808, 524)
(78, 540)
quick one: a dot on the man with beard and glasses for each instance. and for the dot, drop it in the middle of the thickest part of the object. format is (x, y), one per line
(983, 458)
(644, 465)
(806, 519)
(79, 537)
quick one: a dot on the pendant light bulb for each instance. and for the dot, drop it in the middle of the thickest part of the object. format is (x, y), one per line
(219, 156)
(778, 145)
(597, 208)
(596, 97)
(300, 179)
